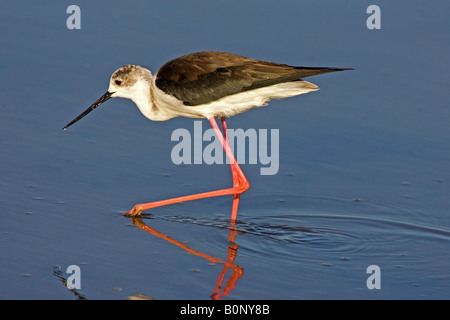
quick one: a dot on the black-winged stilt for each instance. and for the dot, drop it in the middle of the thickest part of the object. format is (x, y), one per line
(207, 85)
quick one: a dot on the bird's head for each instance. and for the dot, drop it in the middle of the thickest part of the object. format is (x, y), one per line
(129, 82)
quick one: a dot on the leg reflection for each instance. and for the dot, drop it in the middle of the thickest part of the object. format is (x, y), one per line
(237, 271)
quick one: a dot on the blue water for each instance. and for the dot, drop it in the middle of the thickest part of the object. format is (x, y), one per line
(364, 173)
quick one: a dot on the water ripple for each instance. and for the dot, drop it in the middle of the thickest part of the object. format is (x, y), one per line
(320, 223)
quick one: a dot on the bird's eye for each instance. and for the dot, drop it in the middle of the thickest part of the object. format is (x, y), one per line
(118, 82)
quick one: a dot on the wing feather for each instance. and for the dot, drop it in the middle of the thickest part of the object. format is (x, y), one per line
(203, 77)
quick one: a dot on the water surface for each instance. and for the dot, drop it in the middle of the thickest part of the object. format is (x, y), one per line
(364, 162)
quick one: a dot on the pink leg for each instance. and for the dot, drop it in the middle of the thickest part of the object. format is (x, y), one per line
(234, 172)
(240, 182)
(227, 141)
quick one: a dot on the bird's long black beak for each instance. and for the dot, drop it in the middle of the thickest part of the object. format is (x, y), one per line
(102, 99)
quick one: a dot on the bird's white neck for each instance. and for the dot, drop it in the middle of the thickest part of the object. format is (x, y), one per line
(142, 94)
(154, 103)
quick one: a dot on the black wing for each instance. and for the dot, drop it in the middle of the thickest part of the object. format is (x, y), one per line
(203, 77)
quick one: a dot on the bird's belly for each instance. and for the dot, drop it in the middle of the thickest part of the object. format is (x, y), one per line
(238, 103)
(168, 107)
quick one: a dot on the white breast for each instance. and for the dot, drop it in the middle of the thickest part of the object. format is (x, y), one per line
(160, 106)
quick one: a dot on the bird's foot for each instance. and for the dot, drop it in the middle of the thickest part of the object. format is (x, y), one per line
(136, 211)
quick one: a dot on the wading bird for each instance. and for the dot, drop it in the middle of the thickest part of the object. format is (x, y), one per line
(207, 85)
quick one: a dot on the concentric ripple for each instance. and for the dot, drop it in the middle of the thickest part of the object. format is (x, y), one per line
(318, 223)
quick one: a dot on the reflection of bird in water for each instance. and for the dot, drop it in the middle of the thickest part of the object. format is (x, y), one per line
(238, 271)
(207, 85)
